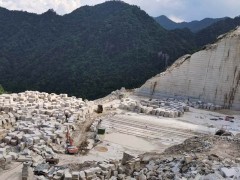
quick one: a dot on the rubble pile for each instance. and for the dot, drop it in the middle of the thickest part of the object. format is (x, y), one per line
(118, 94)
(7, 119)
(89, 170)
(194, 145)
(196, 158)
(167, 108)
(190, 167)
(202, 105)
(38, 120)
(200, 157)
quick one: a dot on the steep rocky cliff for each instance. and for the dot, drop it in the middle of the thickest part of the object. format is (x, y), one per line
(211, 75)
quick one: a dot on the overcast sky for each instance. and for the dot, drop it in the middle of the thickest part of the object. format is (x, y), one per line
(177, 10)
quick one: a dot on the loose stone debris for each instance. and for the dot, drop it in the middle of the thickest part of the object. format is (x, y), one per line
(35, 124)
(196, 158)
(36, 128)
(33, 132)
(202, 105)
(167, 108)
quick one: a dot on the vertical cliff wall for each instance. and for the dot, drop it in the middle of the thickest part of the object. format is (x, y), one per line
(211, 75)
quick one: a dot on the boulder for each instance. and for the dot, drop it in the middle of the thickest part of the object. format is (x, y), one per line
(230, 172)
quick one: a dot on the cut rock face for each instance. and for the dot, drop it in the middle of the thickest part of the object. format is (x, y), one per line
(211, 75)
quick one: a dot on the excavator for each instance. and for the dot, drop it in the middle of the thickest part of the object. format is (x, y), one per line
(70, 148)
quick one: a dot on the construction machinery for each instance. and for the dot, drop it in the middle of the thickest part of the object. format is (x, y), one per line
(229, 118)
(52, 160)
(100, 132)
(70, 148)
(100, 109)
(223, 131)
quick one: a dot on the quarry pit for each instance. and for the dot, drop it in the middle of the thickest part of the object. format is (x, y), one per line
(173, 127)
(34, 126)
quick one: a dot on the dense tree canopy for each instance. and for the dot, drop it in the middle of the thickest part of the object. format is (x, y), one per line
(89, 52)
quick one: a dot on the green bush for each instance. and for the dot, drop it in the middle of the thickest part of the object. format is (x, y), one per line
(1, 89)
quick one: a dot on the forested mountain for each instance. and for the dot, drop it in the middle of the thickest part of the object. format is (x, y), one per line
(209, 34)
(89, 52)
(194, 26)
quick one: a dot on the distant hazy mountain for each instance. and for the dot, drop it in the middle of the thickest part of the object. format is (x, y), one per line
(194, 26)
(209, 34)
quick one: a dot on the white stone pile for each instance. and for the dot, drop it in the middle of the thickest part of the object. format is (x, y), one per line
(193, 159)
(118, 94)
(167, 108)
(101, 170)
(189, 167)
(169, 167)
(39, 119)
(7, 119)
(202, 105)
(6, 156)
(42, 115)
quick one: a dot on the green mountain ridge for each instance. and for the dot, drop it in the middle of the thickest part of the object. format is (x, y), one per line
(89, 52)
(209, 34)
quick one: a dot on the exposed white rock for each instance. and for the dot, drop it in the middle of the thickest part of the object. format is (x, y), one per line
(211, 75)
(231, 172)
(38, 120)
(170, 108)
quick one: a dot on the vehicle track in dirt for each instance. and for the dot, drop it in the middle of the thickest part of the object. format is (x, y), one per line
(147, 130)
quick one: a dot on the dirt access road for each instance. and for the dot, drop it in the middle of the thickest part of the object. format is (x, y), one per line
(14, 172)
